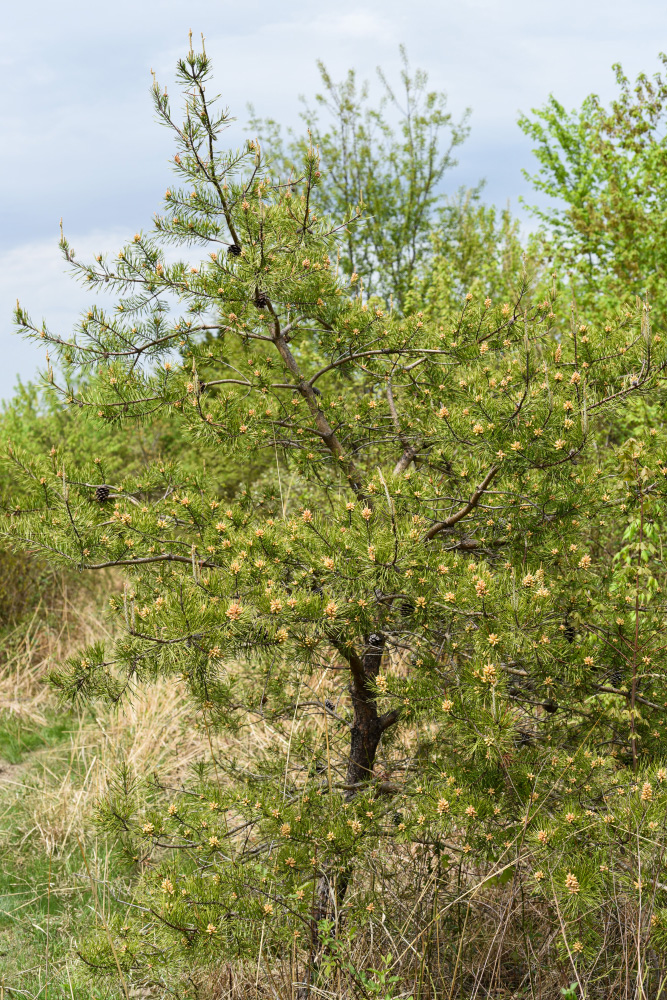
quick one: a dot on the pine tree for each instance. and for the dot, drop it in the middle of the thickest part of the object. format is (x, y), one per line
(397, 642)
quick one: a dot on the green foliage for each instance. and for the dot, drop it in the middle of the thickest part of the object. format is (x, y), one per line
(427, 653)
(473, 250)
(387, 158)
(607, 167)
(23, 582)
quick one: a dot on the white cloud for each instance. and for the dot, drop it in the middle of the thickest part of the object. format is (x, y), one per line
(355, 25)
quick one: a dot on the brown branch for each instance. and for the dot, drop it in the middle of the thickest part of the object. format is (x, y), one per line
(409, 450)
(627, 694)
(324, 428)
(472, 503)
(384, 352)
(164, 557)
(356, 665)
(390, 718)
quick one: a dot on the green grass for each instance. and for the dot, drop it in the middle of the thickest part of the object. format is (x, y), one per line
(44, 897)
(19, 737)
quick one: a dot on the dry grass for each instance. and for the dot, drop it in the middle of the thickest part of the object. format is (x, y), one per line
(62, 763)
(37, 644)
(151, 733)
(151, 730)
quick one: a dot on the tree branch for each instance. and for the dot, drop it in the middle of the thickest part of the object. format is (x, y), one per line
(164, 557)
(472, 503)
(323, 426)
(410, 450)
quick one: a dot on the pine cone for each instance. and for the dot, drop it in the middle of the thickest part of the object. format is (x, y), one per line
(616, 677)
(102, 493)
(233, 250)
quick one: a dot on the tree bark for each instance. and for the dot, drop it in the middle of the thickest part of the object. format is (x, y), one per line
(367, 725)
(366, 733)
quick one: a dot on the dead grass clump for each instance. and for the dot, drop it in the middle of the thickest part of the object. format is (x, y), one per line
(62, 621)
(151, 734)
(151, 730)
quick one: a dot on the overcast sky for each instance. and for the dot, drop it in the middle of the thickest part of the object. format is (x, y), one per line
(79, 139)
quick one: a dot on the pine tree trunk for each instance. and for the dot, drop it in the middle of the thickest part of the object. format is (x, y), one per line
(365, 736)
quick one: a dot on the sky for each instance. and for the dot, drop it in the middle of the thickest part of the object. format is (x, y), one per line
(80, 142)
